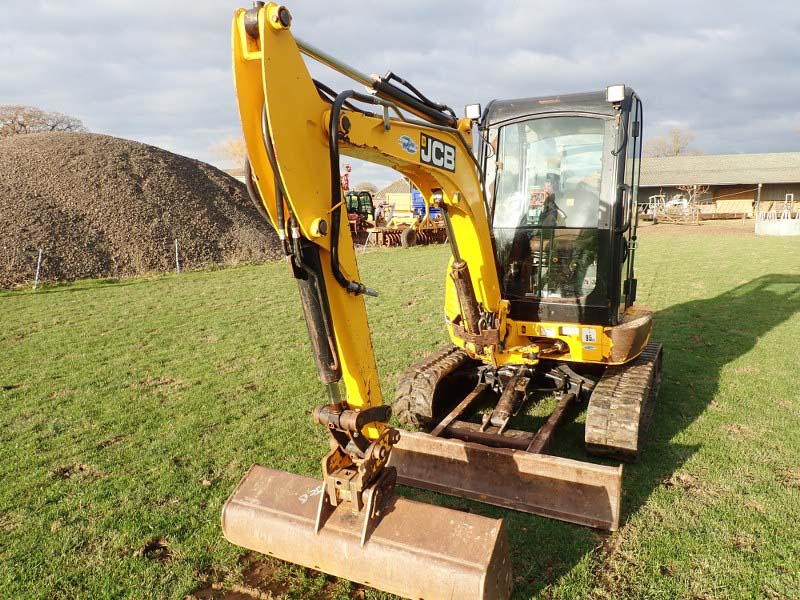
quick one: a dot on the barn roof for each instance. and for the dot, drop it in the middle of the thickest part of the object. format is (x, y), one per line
(398, 186)
(722, 169)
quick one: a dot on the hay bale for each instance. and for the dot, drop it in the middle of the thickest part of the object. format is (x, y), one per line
(105, 207)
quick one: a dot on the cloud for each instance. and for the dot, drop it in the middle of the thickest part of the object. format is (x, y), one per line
(160, 71)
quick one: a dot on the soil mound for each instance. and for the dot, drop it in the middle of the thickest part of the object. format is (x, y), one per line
(101, 206)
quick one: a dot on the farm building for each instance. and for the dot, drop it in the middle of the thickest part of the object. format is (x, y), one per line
(736, 183)
(398, 186)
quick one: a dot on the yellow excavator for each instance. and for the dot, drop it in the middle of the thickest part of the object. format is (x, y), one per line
(539, 201)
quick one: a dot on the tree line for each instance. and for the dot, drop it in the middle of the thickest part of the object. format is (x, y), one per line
(18, 119)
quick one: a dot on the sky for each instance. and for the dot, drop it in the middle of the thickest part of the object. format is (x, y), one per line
(159, 72)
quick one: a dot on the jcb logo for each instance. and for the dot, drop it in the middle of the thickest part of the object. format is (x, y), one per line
(437, 153)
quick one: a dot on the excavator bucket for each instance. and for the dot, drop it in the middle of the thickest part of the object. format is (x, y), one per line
(416, 550)
(560, 488)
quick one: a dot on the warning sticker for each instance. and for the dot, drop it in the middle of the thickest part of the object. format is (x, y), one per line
(589, 335)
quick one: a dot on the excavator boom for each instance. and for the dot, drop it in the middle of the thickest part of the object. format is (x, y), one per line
(351, 525)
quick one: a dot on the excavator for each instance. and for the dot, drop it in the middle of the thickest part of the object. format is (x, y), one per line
(538, 197)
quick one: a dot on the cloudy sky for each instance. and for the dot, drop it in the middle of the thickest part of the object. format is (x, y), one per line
(159, 71)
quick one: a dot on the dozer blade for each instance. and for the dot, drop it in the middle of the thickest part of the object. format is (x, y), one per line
(416, 550)
(570, 490)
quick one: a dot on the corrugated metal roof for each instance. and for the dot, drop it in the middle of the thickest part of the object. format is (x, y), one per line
(723, 169)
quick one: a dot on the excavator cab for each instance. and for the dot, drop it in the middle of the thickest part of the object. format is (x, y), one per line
(562, 175)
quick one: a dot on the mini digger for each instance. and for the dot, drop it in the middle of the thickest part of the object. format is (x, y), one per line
(538, 197)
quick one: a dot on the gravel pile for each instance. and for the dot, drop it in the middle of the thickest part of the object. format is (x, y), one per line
(106, 207)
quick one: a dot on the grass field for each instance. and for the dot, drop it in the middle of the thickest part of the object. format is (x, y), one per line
(130, 410)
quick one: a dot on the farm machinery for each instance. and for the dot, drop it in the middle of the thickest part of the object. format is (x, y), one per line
(360, 214)
(397, 222)
(407, 220)
(539, 301)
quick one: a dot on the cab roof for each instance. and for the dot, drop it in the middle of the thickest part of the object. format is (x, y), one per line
(499, 111)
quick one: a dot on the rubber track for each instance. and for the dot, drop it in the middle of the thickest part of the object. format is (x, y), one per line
(413, 400)
(621, 406)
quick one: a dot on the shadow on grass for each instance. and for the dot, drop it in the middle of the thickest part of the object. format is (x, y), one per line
(82, 285)
(699, 337)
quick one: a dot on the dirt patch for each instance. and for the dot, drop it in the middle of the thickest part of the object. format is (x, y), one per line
(735, 227)
(744, 542)
(77, 471)
(737, 429)
(695, 487)
(698, 340)
(62, 393)
(613, 563)
(156, 549)
(682, 481)
(262, 579)
(234, 592)
(105, 207)
(149, 383)
(10, 521)
(552, 570)
(755, 506)
(791, 478)
(111, 442)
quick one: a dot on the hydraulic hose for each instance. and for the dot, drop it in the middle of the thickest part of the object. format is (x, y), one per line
(353, 287)
(280, 193)
(435, 105)
(255, 197)
(311, 284)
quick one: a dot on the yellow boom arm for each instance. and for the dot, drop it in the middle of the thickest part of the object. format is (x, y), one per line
(281, 107)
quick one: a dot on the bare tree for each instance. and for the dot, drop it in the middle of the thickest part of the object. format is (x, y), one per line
(693, 192)
(366, 186)
(232, 149)
(17, 119)
(676, 142)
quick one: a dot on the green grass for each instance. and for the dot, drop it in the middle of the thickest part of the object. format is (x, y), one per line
(130, 410)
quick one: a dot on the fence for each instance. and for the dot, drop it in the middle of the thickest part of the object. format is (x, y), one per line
(778, 223)
(38, 276)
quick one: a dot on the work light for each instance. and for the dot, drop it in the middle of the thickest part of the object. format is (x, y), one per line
(473, 111)
(615, 93)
